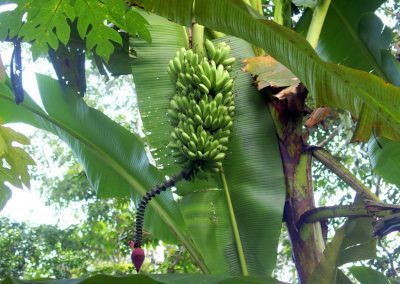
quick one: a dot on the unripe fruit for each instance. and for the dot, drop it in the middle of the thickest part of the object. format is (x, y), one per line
(202, 109)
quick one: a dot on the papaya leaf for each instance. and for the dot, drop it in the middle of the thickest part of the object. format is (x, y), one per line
(14, 162)
(91, 16)
(48, 22)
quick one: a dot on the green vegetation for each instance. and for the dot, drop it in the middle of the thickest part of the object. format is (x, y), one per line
(309, 78)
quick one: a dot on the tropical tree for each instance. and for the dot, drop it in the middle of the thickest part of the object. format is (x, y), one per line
(334, 60)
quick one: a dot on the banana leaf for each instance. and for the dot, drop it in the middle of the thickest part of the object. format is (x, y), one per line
(114, 159)
(385, 159)
(258, 185)
(367, 275)
(340, 41)
(352, 242)
(150, 279)
(154, 87)
(332, 85)
(211, 230)
(353, 35)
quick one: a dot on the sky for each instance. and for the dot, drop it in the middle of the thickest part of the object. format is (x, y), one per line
(26, 205)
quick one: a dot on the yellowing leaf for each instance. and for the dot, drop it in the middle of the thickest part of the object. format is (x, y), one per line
(14, 162)
(269, 72)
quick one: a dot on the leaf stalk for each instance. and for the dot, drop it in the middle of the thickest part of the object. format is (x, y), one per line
(317, 22)
(235, 228)
(335, 166)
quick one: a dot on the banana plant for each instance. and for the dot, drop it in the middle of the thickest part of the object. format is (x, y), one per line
(231, 222)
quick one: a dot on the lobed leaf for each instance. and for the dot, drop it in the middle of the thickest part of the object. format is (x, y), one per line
(48, 22)
(14, 162)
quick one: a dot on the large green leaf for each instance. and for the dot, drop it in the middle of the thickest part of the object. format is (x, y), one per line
(151, 279)
(340, 42)
(254, 175)
(114, 159)
(367, 275)
(385, 158)
(254, 186)
(354, 36)
(211, 230)
(333, 85)
(352, 242)
(150, 73)
(179, 10)
(154, 87)
(46, 24)
(254, 170)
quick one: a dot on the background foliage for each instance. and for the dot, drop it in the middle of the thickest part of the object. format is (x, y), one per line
(99, 242)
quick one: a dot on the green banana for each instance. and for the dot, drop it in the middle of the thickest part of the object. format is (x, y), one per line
(204, 89)
(210, 48)
(228, 61)
(204, 79)
(217, 56)
(177, 64)
(203, 107)
(206, 68)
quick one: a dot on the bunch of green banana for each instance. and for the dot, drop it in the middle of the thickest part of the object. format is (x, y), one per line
(203, 107)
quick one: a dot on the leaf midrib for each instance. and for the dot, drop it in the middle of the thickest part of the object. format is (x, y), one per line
(125, 174)
(364, 50)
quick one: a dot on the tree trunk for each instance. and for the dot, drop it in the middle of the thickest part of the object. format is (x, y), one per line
(307, 243)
